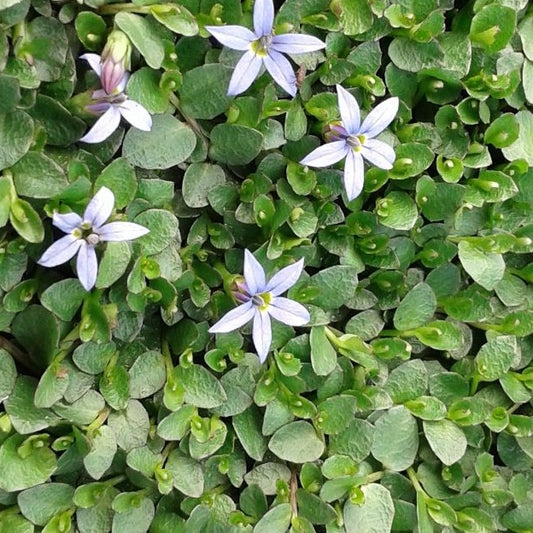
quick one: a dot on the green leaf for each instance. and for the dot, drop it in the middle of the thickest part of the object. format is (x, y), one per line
(396, 439)
(163, 227)
(91, 30)
(313, 508)
(355, 441)
(177, 424)
(144, 37)
(144, 87)
(485, 268)
(47, 45)
(446, 439)
(503, 131)
(492, 27)
(198, 181)
(411, 159)
(202, 389)
(37, 330)
(187, 474)
(64, 298)
(26, 221)
(334, 414)
(113, 263)
(8, 374)
(24, 416)
(61, 127)
(92, 357)
(28, 176)
(247, 426)
(441, 335)
(296, 442)
(375, 514)
(133, 513)
(115, 386)
(131, 426)
(356, 16)
(416, 309)
(16, 131)
(427, 408)
(40, 504)
(103, 449)
(329, 289)
(175, 18)
(52, 385)
(147, 375)
(522, 148)
(204, 91)
(22, 471)
(119, 177)
(277, 519)
(407, 381)
(495, 358)
(323, 355)
(235, 145)
(169, 143)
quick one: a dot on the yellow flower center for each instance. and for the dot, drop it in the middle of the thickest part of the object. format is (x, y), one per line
(260, 46)
(355, 142)
(262, 301)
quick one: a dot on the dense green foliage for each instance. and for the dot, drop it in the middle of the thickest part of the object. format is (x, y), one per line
(405, 403)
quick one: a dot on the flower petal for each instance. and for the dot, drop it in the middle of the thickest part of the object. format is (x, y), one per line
(95, 62)
(380, 117)
(103, 127)
(375, 157)
(245, 73)
(234, 319)
(254, 274)
(98, 107)
(381, 148)
(281, 70)
(289, 312)
(66, 222)
(87, 266)
(354, 175)
(285, 278)
(136, 115)
(349, 110)
(99, 209)
(123, 82)
(235, 37)
(262, 334)
(122, 231)
(295, 43)
(326, 155)
(263, 17)
(61, 251)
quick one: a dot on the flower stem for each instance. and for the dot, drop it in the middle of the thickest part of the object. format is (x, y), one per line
(174, 100)
(113, 9)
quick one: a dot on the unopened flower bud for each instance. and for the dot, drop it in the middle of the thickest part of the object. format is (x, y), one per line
(115, 60)
(334, 131)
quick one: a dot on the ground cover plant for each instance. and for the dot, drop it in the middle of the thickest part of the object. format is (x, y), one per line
(265, 267)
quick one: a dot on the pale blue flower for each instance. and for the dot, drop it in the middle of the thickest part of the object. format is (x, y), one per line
(113, 105)
(83, 234)
(355, 141)
(262, 300)
(263, 48)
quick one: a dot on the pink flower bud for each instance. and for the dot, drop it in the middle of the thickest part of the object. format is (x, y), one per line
(115, 60)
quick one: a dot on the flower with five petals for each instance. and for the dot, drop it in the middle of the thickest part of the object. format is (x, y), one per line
(263, 48)
(262, 300)
(84, 233)
(355, 141)
(112, 106)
